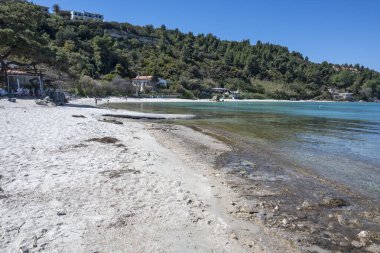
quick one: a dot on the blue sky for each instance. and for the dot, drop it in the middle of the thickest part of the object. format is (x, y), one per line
(338, 31)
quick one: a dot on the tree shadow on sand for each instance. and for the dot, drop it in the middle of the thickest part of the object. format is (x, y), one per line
(80, 106)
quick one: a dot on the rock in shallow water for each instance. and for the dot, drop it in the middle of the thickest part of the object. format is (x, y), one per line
(364, 237)
(356, 244)
(375, 248)
(284, 222)
(305, 204)
(334, 202)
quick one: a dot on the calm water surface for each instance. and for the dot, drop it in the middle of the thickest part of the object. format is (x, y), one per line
(340, 141)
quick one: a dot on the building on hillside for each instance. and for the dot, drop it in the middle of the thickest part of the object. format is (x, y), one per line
(44, 9)
(344, 96)
(76, 15)
(233, 94)
(146, 83)
(341, 96)
(22, 80)
(65, 14)
(333, 91)
(220, 90)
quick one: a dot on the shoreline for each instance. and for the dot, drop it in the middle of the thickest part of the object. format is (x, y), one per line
(332, 205)
(318, 213)
(103, 101)
(156, 180)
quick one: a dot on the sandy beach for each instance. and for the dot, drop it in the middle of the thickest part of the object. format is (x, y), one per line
(72, 180)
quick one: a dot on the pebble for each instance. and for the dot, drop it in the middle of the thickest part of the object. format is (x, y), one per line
(270, 215)
(284, 222)
(375, 248)
(246, 163)
(364, 237)
(344, 244)
(340, 219)
(356, 244)
(233, 236)
(306, 204)
(355, 222)
(248, 207)
(330, 226)
(262, 215)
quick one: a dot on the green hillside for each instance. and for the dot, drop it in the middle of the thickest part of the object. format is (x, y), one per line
(96, 58)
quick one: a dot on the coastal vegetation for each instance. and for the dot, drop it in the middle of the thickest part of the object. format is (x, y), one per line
(101, 58)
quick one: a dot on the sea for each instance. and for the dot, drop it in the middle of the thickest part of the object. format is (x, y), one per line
(339, 141)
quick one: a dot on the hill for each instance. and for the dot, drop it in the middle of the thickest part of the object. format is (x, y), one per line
(98, 58)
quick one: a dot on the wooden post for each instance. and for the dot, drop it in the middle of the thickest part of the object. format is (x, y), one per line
(7, 82)
(41, 88)
(6, 76)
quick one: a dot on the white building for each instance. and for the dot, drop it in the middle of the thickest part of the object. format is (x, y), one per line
(44, 9)
(144, 83)
(76, 15)
(344, 96)
(333, 91)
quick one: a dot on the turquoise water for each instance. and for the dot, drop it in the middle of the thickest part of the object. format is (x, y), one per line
(340, 141)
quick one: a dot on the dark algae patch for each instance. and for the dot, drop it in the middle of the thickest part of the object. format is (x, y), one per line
(118, 173)
(107, 140)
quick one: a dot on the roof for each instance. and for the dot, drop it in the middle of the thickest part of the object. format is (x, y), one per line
(220, 89)
(41, 6)
(21, 72)
(143, 78)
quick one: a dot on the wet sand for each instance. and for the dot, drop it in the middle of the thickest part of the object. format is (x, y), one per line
(316, 213)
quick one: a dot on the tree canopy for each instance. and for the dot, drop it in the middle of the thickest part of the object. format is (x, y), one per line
(21, 32)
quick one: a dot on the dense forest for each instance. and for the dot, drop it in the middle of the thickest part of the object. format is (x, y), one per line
(100, 58)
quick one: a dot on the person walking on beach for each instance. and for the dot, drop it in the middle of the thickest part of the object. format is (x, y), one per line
(96, 101)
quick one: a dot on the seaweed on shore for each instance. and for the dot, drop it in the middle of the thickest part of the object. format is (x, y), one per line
(107, 140)
(118, 173)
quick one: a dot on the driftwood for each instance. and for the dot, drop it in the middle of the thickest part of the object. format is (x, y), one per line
(44, 101)
(111, 121)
